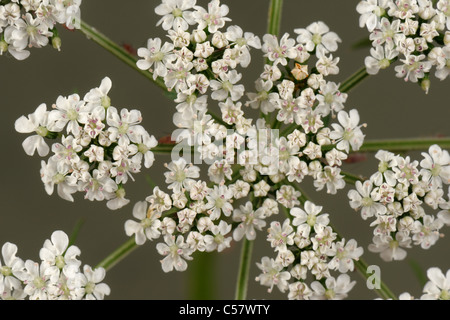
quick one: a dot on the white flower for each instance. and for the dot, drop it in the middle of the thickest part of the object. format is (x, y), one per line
(318, 36)
(36, 122)
(99, 96)
(443, 6)
(330, 99)
(181, 175)
(390, 248)
(124, 126)
(218, 241)
(343, 255)
(213, 19)
(299, 291)
(279, 52)
(249, 221)
(331, 178)
(363, 198)
(10, 266)
(385, 172)
(272, 275)
(326, 65)
(58, 173)
(348, 133)
(227, 86)
(93, 289)
(176, 252)
(413, 68)
(155, 57)
(310, 216)
(403, 9)
(436, 166)
(30, 32)
(371, 11)
(98, 187)
(58, 256)
(381, 57)
(387, 33)
(219, 200)
(175, 14)
(147, 227)
(35, 279)
(280, 235)
(263, 97)
(438, 286)
(426, 233)
(159, 200)
(334, 289)
(68, 111)
(288, 196)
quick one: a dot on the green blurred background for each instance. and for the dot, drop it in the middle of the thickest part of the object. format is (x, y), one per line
(390, 107)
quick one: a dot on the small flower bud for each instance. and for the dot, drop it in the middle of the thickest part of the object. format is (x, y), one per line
(56, 43)
(3, 46)
(447, 38)
(425, 84)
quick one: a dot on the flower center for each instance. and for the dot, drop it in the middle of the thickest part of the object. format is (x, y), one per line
(367, 202)
(383, 166)
(436, 169)
(180, 176)
(227, 86)
(330, 294)
(311, 220)
(42, 131)
(142, 148)
(5, 271)
(219, 202)
(445, 295)
(59, 262)
(317, 39)
(159, 56)
(241, 42)
(147, 223)
(385, 63)
(123, 129)
(39, 283)
(89, 288)
(58, 178)
(177, 12)
(378, 11)
(191, 99)
(72, 114)
(106, 102)
(31, 31)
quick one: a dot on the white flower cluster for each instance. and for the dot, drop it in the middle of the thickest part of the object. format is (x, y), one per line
(99, 151)
(437, 287)
(308, 247)
(416, 32)
(252, 168)
(32, 23)
(397, 196)
(57, 277)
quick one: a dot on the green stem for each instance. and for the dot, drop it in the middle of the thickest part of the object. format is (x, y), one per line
(163, 149)
(351, 178)
(411, 144)
(274, 18)
(383, 292)
(356, 78)
(404, 144)
(119, 254)
(102, 40)
(244, 269)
